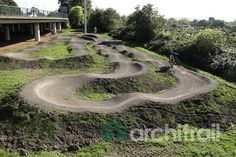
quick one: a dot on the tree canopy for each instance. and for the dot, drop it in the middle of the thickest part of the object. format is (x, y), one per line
(76, 17)
(8, 2)
(105, 20)
(72, 3)
(143, 25)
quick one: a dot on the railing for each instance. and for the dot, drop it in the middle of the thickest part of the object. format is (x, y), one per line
(6, 10)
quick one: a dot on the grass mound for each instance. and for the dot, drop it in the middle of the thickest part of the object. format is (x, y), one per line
(56, 51)
(152, 82)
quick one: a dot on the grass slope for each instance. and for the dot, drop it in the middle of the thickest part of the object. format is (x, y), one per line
(152, 82)
(94, 150)
(225, 146)
(59, 50)
(23, 124)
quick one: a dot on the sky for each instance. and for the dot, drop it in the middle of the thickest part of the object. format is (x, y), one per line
(50, 5)
(191, 9)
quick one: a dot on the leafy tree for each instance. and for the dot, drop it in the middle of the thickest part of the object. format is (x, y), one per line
(218, 24)
(72, 3)
(105, 20)
(143, 25)
(184, 21)
(194, 23)
(209, 41)
(76, 17)
(8, 2)
(202, 50)
(202, 23)
(172, 22)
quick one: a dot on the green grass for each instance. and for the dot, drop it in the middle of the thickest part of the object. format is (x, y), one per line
(101, 64)
(152, 82)
(69, 32)
(225, 146)
(4, 153)
(56, 51)
(10, 81)
(94, 150)
(154, 54)
(219, 102)
(96, 96)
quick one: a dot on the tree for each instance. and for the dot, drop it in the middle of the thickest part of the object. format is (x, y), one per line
(144, 24)
(172, 22)
(105, 20)
(202, 23)
(76, 17)
(184, 21)
(8, 2)
(202, 50)
(209, 41)
(72, 3)
(194, 23)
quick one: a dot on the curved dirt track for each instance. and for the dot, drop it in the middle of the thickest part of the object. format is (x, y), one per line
(58, 92)
(27, 54)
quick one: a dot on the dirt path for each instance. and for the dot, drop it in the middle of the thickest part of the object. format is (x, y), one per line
(58, 92)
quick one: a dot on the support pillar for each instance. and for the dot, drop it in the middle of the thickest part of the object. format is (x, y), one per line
(31, 30)
(59, 26)
(7, 33)
(54, 29)
(37, 32)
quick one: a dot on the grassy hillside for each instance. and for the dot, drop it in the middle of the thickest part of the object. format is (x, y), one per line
(59, 134)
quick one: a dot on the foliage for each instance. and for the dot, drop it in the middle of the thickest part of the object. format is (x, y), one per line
(209, 41)
(95, 150)
(105, 20)
(8, 2)
(155, 55)
(142, 26)
(76, 17)
(73, 3)
(210, 23)
(204, 47)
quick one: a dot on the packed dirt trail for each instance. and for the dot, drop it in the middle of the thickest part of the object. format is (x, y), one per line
(58, 92)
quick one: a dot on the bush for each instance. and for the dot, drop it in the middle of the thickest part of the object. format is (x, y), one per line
(202, 50)
(142, 26)
(105, 20)
(76, 17)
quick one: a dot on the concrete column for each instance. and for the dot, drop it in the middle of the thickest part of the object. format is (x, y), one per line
(59, 26)
(37, 32)
(7, 33)
(41, 28)
(31, 30)
(50, 26)
(54, 29)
